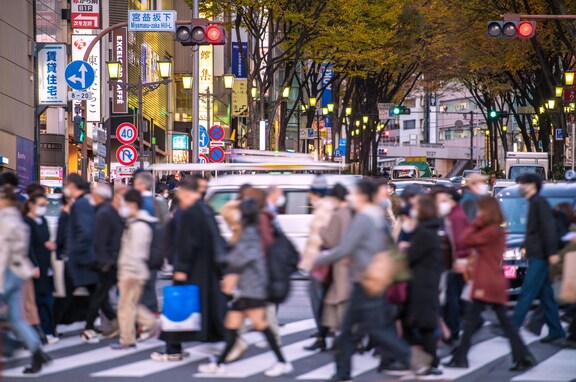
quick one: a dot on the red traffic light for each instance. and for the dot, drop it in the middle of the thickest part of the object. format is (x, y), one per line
(215, 35)
(387, 133)
(526, 29)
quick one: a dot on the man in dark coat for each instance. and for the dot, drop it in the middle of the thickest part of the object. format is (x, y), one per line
(107, 238)
(80, 248)
(541, 243)
(194, 263)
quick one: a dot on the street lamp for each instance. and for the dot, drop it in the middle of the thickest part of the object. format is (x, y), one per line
(114, 68)
(348, 111)
(228, 81)
(569, 78)
(187, 81)
(165, 68)
(254, 92)
(559, 90)
(286, 92)
(551, 104)
(324, 111)
(330, 107)
(365, 119)
(312, 101)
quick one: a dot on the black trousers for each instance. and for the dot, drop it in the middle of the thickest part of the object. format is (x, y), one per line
(100, 300)
(471, 325)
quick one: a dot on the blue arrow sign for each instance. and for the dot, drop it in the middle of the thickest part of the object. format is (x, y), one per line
(203, 138)
(79, 75)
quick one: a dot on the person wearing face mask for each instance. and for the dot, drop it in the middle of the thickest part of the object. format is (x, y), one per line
(383, 199)
(394, 199)
(541, 245)
(41, 248)
(275, 200)
(107, 237)
(477, 187)
(454, 223)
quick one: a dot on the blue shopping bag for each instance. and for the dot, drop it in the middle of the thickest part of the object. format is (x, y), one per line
(181, 309)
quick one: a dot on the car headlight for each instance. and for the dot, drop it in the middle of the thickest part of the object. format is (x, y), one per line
(514, 254)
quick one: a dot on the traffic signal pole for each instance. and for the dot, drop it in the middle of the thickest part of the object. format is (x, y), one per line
(196, 91)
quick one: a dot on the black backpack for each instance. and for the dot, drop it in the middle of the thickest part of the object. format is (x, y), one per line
(157, 253)
(283, 259)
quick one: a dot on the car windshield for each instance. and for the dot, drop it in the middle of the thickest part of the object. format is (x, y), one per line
(516, 211)
(516, 171)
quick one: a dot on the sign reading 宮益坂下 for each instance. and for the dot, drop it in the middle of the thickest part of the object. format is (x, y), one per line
(152, 21)
(52, 89)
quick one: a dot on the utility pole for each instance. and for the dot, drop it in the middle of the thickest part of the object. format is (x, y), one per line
(196, 91)
(472, 140)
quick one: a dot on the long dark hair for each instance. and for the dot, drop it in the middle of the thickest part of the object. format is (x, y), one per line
(250, 210)
(491, 212)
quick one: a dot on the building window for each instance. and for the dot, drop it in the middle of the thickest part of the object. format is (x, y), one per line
(410, 125)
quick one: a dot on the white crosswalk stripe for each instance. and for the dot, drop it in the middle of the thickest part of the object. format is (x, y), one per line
(559, 367)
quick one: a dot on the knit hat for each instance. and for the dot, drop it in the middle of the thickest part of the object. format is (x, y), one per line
(319, 185)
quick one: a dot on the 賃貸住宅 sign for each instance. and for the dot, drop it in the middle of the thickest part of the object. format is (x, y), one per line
(52, 89)
(80, 43)
(119, 53)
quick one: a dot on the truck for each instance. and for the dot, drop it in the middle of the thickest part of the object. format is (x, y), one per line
(424, 169)
(518, 163)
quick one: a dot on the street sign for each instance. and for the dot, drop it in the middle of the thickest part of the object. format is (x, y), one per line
(216, 133)
(126, 155)
(217, 144)
(98, 134)
(559, 135)
(99, 163)
(203, 138)
(152, 21)
(99, 149)
(79, 96)
(216, 154)
(126, 133)
(337, 153)
(204, 150)
(126, 171)
(311, 133)
(85, 14)
(79, 75)
(202, 159)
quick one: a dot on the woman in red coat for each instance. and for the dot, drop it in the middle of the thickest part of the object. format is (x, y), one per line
(489, 286)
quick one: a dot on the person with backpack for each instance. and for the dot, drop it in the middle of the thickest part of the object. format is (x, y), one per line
(107, 238)
(133, 272)
(246, 281)
(363, 241)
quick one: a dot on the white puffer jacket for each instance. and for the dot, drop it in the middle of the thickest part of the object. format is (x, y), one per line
(15, 240)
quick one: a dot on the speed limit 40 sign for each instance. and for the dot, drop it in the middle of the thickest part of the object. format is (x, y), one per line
(126, 133)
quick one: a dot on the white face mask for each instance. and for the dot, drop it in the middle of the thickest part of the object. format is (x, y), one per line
(40, 210)
(444, 208)
(281, 201)
(483, 189)
(408, 226)
(413, 213)
(66, 192)
(124, 212)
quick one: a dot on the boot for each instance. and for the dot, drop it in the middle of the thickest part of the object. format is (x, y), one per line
(39, 359)
(319, 344)
(41, 334)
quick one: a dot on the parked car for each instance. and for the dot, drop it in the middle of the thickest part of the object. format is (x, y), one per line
(501, 185)
(426, 183)
(515, 209)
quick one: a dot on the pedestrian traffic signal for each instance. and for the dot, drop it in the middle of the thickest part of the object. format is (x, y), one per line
(493, 114)
(201, 32)
(511, 29)
(79, 129)
(399, 110)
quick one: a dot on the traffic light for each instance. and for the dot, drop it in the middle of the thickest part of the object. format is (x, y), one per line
(493, 115)
(387, 133)
(399, 110)
(79, 129)
(382, 152)
(511, 29)
(201, 32)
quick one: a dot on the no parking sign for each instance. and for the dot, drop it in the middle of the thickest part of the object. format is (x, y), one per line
(216, 154)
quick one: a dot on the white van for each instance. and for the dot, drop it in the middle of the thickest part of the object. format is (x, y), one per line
(294, 217)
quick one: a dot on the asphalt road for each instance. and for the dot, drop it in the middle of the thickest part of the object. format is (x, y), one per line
(78, 362)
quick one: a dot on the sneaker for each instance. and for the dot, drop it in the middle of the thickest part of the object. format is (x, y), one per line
(52, 339)
(396, 368)
(261, 345)
(119, 346)
(165, 357)
(431, 374)
(90, 336)
(211, 368)
(420, 361)
(237, 351)
(279, 368)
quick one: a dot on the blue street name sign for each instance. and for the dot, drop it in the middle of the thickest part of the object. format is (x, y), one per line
(152, 21)
(79, 75)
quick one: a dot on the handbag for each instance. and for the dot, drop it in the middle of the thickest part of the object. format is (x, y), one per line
(568, 288)
(398, 293)
(322, 273)
(379, 274)
(181, 309)
(59, 280)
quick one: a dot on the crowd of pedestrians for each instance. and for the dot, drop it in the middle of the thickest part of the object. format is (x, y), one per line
(442, 254)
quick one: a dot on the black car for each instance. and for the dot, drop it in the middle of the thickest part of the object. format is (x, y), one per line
(515, 209)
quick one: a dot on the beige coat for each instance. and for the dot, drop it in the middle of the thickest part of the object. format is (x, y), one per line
(135, 248)
(323, 210)
(14, 239)
(230, 212)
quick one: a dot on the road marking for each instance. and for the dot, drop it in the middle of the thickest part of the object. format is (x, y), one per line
(561, 367)
(83, 359)
(197, 353)
(360, 365)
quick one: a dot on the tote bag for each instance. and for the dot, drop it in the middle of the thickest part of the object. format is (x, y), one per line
(181, 309)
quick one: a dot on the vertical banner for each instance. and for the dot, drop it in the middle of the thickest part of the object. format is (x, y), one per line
(52, 89)
(119, 52)
(327, 74)
(239, 105)
(206, 82)
(238, 67)
(24, 160)
(79, 45)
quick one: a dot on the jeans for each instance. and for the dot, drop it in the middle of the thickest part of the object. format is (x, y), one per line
(101, 300)
(13, 298)
(130, 311)
(367, 314)
(471, 325)
(453, 307)
(537, 285)
(45, 304)
(316, 291)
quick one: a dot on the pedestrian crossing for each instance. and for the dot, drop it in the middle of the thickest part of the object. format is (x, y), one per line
(71, 356)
